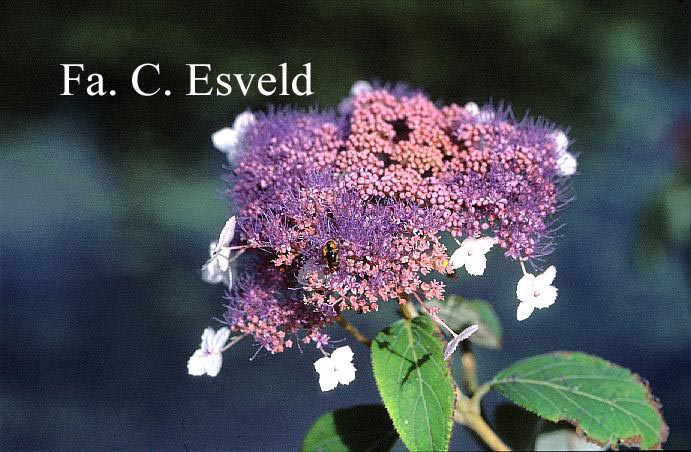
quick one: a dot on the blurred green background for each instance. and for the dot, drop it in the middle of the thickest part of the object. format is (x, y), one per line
(108, 204)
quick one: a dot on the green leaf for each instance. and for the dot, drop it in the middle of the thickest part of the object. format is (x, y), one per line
(415, 383)
(359, 428)
(607, 403)
(460, 313)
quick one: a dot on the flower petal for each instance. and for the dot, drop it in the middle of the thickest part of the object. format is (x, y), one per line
(453, 344)
(466, 333)
(484, 244)
(475, 264)
(342, 355)
(472, 108)
(561, 141)
(451, 347)
(524, 310)
(324, 366)
(220, 339)
(328, 381)
(227, 233)
(196, 364)
(346, 374)
(457, 259)
(548, 295)
(242, 122)
(212, 274)
(213, 364)
(207, 338)
(568, 165)
(222, 259)
(225, 140)
(525, 290)
(546, 278)
(360, 86)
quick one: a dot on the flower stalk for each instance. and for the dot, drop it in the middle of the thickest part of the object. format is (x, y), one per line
(353, 331)
(468, 414)
(408, 311)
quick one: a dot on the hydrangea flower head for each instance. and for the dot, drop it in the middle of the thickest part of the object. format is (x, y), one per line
(346, 210)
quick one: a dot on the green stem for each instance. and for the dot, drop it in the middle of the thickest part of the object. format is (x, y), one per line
(468, 414)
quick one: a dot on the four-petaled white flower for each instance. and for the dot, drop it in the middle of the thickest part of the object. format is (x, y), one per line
(566, 162)
(229, 139)
(335, 369)
(208, 359)
(217, 268)
(471, 254)
(535, 292)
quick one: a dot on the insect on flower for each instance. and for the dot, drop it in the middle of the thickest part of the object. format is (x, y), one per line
(330, 253)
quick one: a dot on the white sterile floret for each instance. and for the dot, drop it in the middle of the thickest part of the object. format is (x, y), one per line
(229, 139)
(535, 292)
(472, 108)
(217, 268)
(567, 164)
(471, 254)
(208, 359)
(561, 141)
(227, 234)
(335, 369)
(361, 86)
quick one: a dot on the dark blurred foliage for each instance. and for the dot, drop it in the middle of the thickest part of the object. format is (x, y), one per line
(666, 221)
(108, 204)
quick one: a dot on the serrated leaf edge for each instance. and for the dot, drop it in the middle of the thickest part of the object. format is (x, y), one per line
(633, 441)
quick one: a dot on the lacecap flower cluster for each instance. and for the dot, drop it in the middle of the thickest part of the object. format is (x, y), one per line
(346, 209)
